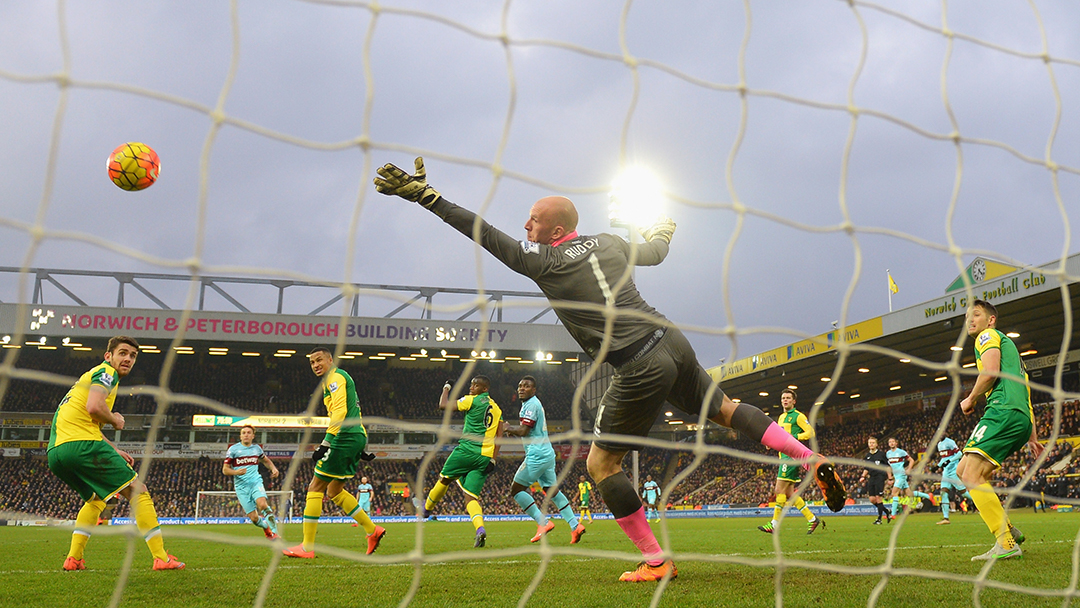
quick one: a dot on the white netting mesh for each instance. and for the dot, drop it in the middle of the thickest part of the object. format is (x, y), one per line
(218, 504)
(595, 88)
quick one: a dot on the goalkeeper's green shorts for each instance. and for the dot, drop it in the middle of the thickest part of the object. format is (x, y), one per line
(91, 468)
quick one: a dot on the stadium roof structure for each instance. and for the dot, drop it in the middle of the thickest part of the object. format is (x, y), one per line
(78, 306)
(905, 352)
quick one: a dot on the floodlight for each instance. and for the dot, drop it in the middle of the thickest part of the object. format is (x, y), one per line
(636, 198)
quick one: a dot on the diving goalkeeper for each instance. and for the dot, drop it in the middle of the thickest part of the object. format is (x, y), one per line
(580, 275)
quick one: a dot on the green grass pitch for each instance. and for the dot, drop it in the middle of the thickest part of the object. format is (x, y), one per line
(722, 562)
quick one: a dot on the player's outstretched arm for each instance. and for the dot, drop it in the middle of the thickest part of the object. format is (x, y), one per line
(393, 181)
(661, 230)
(657, 238)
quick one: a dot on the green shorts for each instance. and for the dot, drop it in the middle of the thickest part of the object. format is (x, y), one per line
(91, 468)
(468, 468)
(340, 461)
(789, 470)
(1000, 434)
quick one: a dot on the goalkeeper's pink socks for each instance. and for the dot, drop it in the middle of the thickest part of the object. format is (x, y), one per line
(778, 439)
(756, 425)
(619, 495)
(637, 528)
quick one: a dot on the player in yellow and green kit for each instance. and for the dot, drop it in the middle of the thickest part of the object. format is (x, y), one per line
(473, 458)
(584, 490)
(92, 465)
(1008, 423)
(336, 457)
(790, 474)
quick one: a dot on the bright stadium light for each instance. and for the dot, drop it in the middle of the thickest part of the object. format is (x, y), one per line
(636, 198)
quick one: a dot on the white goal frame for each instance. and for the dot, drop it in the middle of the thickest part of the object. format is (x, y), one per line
(288, 495)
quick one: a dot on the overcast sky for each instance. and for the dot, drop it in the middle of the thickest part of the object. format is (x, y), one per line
(554, 114)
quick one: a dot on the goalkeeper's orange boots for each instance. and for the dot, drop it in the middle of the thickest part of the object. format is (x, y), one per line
(542, 530)
(74, 564)
(171, 564)
(646, 573)
(375, 538)
(832, 488)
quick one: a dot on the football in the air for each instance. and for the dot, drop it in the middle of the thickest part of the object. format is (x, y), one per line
(134, 166)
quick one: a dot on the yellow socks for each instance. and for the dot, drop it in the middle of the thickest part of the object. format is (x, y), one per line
(147, 522)
(435, 495)
(352, 508)
(84, 524)
(312, 512)
(476, 513)
(993, 514)
(800, 504)
(781, 500)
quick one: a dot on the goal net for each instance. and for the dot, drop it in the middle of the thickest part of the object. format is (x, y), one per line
(216, 505)
(806, 151)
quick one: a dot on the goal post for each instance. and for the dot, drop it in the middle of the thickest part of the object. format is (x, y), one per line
(216, 503)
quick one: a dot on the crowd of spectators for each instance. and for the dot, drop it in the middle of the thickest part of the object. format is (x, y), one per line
(722, 479)
(27, 486)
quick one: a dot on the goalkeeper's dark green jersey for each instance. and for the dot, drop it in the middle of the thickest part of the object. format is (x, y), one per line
(577, 270)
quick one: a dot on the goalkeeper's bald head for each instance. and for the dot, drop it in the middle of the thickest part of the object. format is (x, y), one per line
(550, 219)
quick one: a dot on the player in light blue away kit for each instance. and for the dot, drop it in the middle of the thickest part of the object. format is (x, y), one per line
(363, 495)
(364, 492)
(949, 455)
(248, 483)
(538, 466)
(651, 496)
(901, 463)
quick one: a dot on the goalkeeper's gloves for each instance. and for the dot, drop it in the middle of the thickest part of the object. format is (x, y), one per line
(395, 182)
(368, 456)
(661, 229)
(321, 451)
(490, 467)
